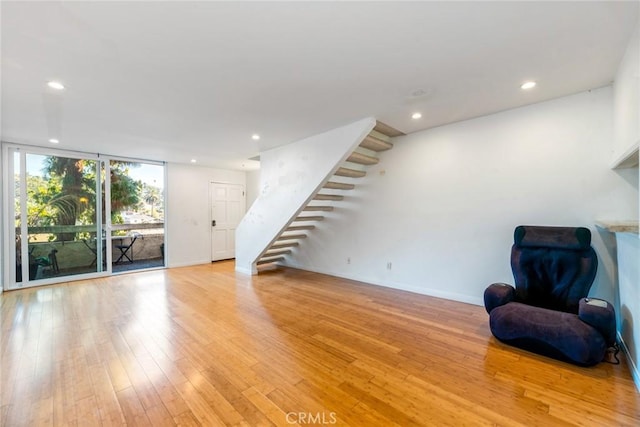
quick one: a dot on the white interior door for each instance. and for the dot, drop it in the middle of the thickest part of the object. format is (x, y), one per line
(227, 209)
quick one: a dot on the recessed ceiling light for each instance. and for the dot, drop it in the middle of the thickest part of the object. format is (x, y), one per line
(255, 137)
(528, 85)
(55, 85)
(53, 141)
(416, 116)
(193, 160)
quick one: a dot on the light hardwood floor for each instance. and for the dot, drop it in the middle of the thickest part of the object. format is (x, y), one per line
(204, 346)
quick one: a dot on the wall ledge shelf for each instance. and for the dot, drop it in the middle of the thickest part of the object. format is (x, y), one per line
(628, 226)
(628, 159)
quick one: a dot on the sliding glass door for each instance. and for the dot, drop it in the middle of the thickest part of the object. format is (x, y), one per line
(73, 214)
(58, 217)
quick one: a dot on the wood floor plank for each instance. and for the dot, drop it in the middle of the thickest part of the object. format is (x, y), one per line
(88, 411)
(132, 409)
(270, 410)
(106, 398)
(203, 345)
(234, 396)
(198, 405)
(64, 407)
(186, 419)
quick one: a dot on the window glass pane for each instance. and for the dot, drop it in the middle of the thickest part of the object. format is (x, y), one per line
(61, 216)
(137, 215)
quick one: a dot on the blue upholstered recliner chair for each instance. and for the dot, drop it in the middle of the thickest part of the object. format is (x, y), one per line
(548, 311)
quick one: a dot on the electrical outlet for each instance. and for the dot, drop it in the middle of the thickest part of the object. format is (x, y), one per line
(389, 265)
(348, 260)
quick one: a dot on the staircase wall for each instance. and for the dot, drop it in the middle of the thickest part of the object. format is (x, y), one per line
(441, 206)
(289, 176)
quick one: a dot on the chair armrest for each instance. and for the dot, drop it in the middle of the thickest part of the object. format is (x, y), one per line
(498, 294)
(601, 315)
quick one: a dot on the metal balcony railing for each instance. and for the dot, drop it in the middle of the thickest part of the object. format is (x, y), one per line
(79, 254)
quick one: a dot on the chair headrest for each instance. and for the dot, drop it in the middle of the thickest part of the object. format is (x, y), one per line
(574, 238)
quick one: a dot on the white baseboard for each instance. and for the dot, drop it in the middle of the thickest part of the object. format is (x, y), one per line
(203, 262)
(400, 286)
(635, 374)
(188, 263)
(246, 271)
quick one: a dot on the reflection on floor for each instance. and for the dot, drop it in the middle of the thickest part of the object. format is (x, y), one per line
(138, 265)
(116, 268)
(202, 345)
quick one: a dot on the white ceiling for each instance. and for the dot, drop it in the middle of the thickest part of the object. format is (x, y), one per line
(179, 80)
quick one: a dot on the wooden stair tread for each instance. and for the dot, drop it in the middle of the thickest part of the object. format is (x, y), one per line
(291, 237)
(309, 218)
(352, 173)
(300, 227)
(328, 197)
(283, 245)
(362, 159)
(372, 143)
(387, 130)
(318, 208)
(275, 252)
(269, 260)
(380, 136)
(339, 186)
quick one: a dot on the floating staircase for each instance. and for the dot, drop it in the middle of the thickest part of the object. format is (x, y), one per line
(301, 226)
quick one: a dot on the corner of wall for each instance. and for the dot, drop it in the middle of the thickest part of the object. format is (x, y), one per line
(635, 373)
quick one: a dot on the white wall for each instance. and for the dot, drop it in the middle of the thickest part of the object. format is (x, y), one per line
(626, 104)
(442, 205)
(188, 211)
(253, 187)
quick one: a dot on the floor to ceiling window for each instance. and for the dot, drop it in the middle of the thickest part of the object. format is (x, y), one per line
(137, 215)
(59, 224)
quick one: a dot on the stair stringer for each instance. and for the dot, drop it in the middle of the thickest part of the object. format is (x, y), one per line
(290, 177)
